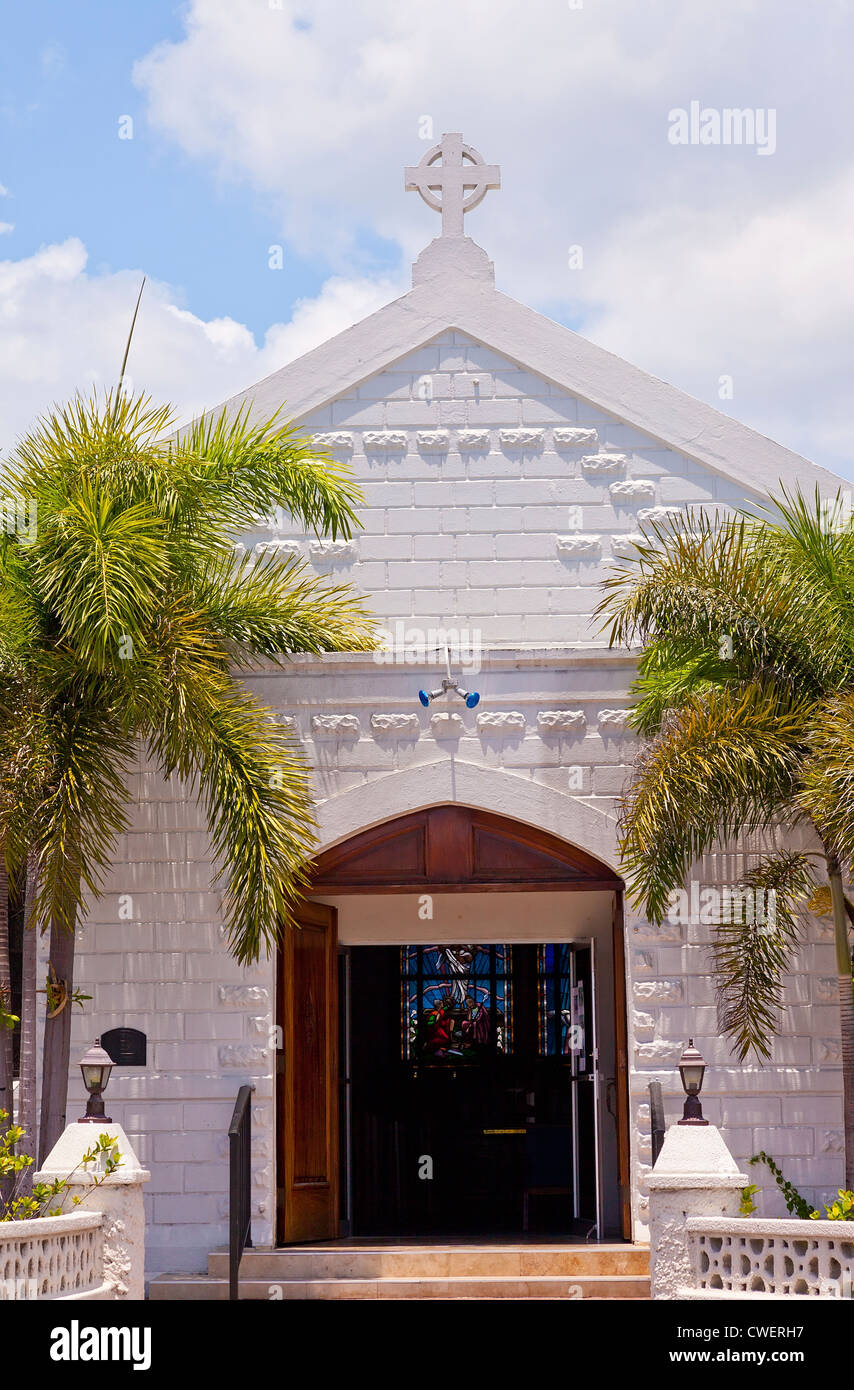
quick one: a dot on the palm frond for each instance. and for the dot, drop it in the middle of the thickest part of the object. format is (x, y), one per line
(724, 763)
(83, 810)
(251, 468)
(106, 438)
(269, 608)
(102, 568)
(711, 578)
(752, 952)
(669, 672)
(255, 789)
(827, 782)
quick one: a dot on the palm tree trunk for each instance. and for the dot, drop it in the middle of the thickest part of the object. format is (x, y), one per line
(846, 1011)
(6, 1065)
(57, 1045)
(27, 1077)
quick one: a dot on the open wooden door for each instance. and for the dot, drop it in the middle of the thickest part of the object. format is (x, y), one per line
(307, 1078)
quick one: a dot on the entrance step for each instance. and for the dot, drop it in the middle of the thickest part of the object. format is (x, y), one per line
(435, 1261)
(420, 1272)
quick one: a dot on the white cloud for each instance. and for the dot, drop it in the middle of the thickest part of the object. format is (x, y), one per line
(766, 299)
(6, 228)
(62, 330)
(693, 256)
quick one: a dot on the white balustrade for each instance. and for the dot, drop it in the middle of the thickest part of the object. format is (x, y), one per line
(52, 1257)
(765, 1258)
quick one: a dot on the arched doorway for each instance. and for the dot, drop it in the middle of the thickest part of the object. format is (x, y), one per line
(440, 1031)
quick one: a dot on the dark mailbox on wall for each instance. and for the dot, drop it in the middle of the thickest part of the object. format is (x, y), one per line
(126, 1046)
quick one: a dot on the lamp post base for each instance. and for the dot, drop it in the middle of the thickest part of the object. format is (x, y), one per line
(95, 1112)
(692, 1113)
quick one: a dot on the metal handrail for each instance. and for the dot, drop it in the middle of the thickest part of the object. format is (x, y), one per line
(239, 1185)
(656, 1119)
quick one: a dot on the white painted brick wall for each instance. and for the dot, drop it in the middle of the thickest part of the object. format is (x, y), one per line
(462, 538)
(424, 505)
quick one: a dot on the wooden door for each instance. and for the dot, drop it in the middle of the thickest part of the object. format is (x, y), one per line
(307, 1077)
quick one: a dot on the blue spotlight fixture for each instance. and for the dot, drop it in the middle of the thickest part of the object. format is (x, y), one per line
(471, 697)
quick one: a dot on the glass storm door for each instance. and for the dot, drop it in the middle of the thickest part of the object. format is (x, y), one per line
(585, 1084)
(567, 1034)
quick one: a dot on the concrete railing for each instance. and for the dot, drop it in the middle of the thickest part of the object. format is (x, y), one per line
(98, 1253)
(700, 1248)
(746, 1257)
(53, 1257)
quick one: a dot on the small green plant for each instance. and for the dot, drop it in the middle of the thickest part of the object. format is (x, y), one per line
(11, 1164)
(795, 1203)
(840, 1210)
(57, 995)
(7, 1018)
(747, 1206)
(42, 1201)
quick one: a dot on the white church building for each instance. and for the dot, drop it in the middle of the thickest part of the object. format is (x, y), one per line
(460, 1038)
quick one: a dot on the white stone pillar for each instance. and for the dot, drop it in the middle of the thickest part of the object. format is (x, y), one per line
(695, 1175)
(119, 1197)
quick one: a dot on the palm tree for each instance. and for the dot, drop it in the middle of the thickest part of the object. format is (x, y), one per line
(137, 614)
(26, 1109)
(746, 690)
(7, 1018)
(21, 767)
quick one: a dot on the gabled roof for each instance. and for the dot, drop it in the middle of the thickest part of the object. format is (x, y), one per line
(453, 288)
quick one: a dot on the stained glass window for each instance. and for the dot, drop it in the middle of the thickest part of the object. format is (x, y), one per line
(560, 1004)
(456, 1002)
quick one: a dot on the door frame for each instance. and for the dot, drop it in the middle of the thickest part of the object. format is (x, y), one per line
(461, 849)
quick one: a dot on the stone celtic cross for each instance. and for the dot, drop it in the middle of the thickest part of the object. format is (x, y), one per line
(462, 178)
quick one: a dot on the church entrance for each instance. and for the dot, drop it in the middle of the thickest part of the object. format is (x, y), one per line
(452, 1020)
(471, 1087)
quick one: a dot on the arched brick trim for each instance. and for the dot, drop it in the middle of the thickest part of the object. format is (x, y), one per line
(447, 782)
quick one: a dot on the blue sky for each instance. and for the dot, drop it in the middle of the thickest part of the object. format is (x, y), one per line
(66, 80)
(289, 122)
